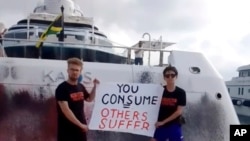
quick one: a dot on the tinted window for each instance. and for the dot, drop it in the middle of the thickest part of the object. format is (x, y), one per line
(70, 52)
(9, 35)
(79, 37)
(14, 52)
(20, 35)
(50, 52)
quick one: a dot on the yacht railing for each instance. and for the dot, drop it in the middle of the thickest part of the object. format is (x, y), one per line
(126, 50)
(241, 79)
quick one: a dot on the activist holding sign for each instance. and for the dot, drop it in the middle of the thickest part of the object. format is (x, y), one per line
(70, 96)
(173, 100)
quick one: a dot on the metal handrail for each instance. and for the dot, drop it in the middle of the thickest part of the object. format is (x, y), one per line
(149, 54)
(78, 43)
(129, 49)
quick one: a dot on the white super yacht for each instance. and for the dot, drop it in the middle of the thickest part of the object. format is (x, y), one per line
(239, 90)
(78, 30)
(29, 76)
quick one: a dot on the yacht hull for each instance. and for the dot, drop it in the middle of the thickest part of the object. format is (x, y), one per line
(27, 103)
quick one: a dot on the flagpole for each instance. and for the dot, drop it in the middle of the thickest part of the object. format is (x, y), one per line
(161, 53)
(28, 27)
(93, 30)
(28, 33)
(61, 37)
(62, 24)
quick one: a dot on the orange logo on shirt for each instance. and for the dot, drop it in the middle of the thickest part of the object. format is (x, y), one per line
(77, 96)
(168, 101)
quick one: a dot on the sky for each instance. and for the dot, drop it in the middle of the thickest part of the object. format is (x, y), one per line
(220, 29)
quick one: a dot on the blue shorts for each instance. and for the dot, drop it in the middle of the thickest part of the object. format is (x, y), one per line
(171, 132)
(138, 61)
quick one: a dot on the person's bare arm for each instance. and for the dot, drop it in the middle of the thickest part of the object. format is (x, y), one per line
(177, 113)
(70, 116)
(137, 51)
(93, 91)
(92, 94)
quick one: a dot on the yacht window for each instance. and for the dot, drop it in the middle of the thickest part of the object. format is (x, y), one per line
(31, 52)
(31, 33)
(68, 52)
(109, 58)
(50, 52)
(9, 35)
(102, 56)
(21, 35)
(228, 90)
(88, 55)
(15, 51)
(240, 74)
(22, 52)
(79, 37)
(240, 91)
(245, 73)
(56, 52)
(58, 35)
(20, 27)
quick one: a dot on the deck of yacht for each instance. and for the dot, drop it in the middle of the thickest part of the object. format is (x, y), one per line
(157, 48)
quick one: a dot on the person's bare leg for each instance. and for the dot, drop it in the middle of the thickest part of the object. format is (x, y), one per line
(152, 139)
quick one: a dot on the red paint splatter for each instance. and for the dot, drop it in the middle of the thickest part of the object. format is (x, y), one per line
(3, 102)
(50, 120)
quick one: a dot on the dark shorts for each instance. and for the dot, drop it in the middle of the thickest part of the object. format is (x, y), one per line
(76, 136)
(171, 132)
(138, 61)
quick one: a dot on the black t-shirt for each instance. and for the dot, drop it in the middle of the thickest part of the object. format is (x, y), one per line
(74, 95)
(169, 103)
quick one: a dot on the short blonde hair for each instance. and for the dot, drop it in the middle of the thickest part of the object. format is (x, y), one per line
(75, 61)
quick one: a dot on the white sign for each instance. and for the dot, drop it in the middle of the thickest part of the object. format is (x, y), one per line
(131, 108)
